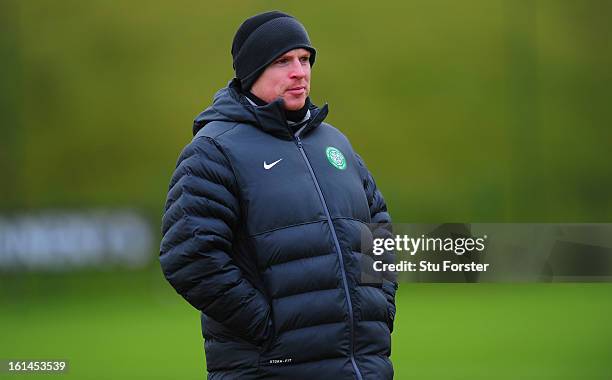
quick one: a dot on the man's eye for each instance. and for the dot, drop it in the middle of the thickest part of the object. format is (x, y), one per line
(305, 59)
(282, 61)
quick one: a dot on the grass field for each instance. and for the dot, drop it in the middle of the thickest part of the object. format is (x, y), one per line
(131, 325)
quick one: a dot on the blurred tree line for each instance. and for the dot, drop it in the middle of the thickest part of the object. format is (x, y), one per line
(464, 111)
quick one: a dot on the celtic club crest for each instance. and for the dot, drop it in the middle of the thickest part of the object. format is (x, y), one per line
(335, 157)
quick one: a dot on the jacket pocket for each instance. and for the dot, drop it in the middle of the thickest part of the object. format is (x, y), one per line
(389, 288)
(367, 275)
(224, 350)
(268, 343)
(390, 316)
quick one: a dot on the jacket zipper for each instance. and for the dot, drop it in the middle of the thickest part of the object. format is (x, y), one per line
(337, 244)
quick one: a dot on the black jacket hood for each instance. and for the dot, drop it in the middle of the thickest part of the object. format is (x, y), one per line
(231, 106)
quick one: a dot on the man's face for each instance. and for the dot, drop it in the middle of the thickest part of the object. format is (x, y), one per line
(288, 77)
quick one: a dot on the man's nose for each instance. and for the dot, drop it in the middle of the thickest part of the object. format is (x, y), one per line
(297, 69)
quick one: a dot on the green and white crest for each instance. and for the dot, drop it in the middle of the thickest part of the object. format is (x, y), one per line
(335, 157)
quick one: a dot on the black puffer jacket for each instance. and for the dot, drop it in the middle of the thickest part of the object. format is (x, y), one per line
(261, 233)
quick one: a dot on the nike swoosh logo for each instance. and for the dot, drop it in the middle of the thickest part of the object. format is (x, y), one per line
(269, 166)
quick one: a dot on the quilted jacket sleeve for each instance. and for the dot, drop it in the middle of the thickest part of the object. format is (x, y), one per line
(200, 218)
(379, 215)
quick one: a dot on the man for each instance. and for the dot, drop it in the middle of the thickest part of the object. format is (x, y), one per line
(263, 221)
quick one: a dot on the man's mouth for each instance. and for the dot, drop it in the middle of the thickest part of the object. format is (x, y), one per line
(298, 90)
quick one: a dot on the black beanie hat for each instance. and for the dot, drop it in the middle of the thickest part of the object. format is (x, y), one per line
(261, 39)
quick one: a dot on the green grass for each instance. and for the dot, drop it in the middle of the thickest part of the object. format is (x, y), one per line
(133, 325)
(503, 331)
